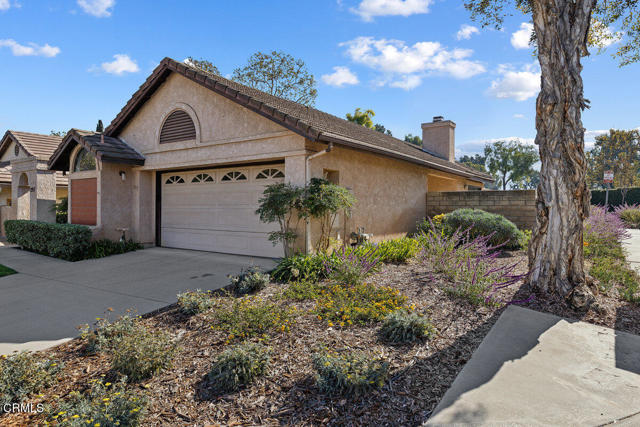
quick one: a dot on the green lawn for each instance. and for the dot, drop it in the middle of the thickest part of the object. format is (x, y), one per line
(5, 271)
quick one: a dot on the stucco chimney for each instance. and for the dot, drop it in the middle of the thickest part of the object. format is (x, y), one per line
(438, 137)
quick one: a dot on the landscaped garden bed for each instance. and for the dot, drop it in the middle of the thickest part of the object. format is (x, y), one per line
(358, 342)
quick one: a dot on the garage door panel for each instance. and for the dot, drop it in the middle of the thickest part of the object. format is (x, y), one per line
(217, 216)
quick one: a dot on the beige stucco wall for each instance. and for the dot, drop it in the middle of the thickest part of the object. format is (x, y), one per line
(226, 132)
(116, 200)
(390, 193)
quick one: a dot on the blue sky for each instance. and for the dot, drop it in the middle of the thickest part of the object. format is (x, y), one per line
(68, 63)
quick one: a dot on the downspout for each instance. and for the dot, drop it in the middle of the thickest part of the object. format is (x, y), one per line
(307, 178)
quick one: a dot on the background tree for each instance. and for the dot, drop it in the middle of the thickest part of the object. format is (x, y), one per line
(279, 74)
(476, 162)
(363, 118)
(413, 139)
(380, 128)
(60, 133)
(203, 64)
(619, 151)
(99, 127)
(510, 162)
(529, 182)
(562, 34)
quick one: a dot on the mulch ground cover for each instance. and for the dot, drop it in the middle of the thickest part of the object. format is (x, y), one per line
(420, 373)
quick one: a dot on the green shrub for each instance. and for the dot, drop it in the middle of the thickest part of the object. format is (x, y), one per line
(105, 404)
(345, 304)
(107, 335)
(194, 302)
(612, 272)
(353, 373)
(238, 366)
(631, 217)
(23, 374)
(66, 241)
(310, 268)
(249, 317)
(481, 223)
(525, 239)
(250, 281)
(396, 250)
(402, 326)
(302, 291)
(143, 353)
(632, 196)
(428, 224)
(104, 247)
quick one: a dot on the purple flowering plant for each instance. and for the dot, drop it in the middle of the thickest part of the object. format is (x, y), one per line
(469, 265)
(351, 266)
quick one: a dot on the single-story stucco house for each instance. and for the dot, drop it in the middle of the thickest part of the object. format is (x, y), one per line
(28, 188)
(185, 162)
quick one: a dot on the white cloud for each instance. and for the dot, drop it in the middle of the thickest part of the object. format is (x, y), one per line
(340, 77)
(404, 66)
(120, 65)
(513, 84)
(4, 5)
(30, 49)
(518, 116)
(466, 31)
(368, 9)
(98, 8)
(520, 39)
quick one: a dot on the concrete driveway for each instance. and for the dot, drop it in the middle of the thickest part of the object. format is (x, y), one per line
(50, 298)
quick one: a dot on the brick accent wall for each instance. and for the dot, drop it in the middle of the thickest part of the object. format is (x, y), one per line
(518, 206)
(84, 201)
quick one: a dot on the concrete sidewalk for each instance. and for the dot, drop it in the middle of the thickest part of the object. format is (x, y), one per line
(538, 369)
(50, 298)
(632, 247)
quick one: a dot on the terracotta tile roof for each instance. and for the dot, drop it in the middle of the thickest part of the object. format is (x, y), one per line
(37, 145)
(105, 148)
(311, 123)
(5, 176)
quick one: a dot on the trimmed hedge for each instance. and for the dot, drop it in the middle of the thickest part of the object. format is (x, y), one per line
(615, 197)
(66, 241)
(481, 223)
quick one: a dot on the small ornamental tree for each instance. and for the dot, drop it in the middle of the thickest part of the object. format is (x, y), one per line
(287, 204)
(278, 204)
(324, 201)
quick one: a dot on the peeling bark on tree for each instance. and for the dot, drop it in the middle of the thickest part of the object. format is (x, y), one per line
(556, 258)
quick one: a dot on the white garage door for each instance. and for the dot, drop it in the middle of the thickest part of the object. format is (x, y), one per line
(214, 210)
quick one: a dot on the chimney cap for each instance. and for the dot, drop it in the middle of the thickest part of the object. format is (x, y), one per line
(438, 118)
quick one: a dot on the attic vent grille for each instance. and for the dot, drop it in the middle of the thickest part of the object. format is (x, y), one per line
(177, 127)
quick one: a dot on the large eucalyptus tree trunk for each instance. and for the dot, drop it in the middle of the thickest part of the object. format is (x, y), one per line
(556, 250)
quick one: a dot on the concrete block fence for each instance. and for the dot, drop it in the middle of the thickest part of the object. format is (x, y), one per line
(519, 206)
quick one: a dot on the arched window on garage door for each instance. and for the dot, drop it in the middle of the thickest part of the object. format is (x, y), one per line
(178, 126)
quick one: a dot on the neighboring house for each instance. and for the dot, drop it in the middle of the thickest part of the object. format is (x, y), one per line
(186, 160)
(28, 188)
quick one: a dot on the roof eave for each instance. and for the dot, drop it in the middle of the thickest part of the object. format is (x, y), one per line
(358, 145)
